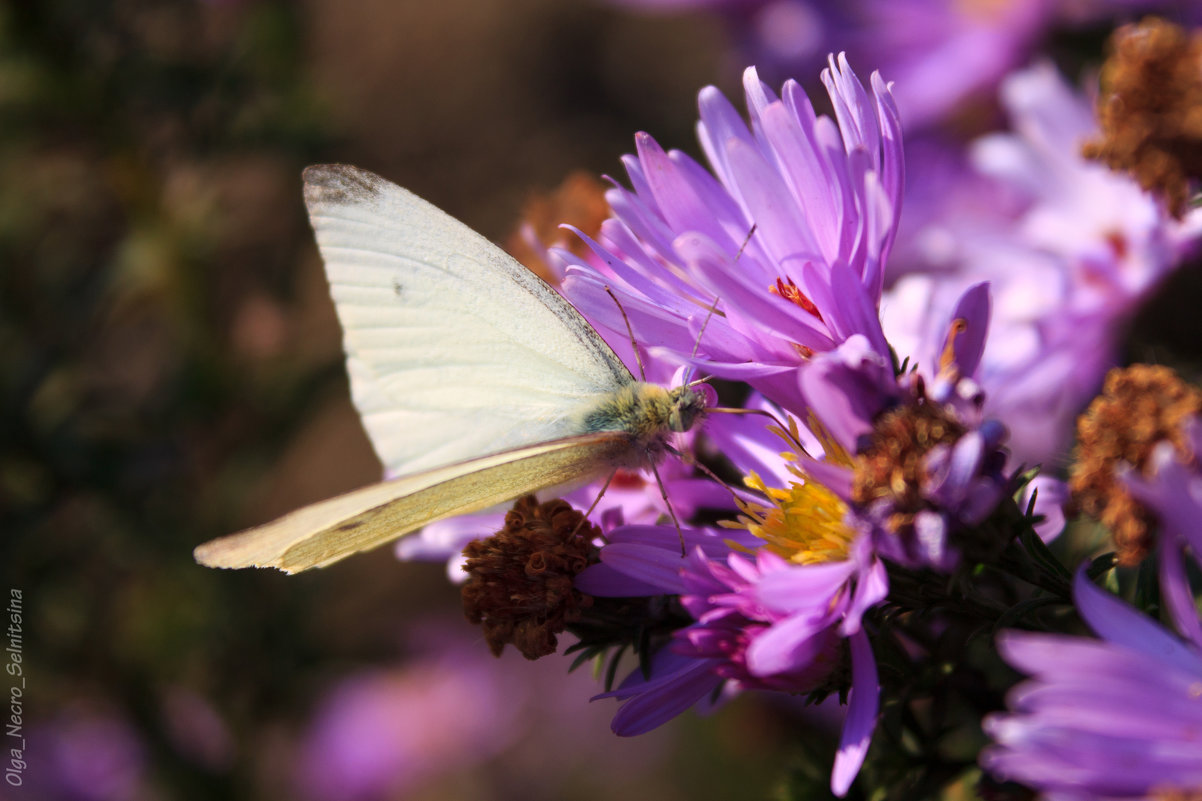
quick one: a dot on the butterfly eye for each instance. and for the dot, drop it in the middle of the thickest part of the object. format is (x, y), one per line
(686, 408)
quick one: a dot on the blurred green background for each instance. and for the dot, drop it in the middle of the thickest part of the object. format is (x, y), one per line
(170, 371)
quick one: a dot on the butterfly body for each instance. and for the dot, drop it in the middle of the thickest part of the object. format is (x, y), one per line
(647, 414)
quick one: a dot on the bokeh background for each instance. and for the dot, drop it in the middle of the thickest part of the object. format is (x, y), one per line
(170, 371)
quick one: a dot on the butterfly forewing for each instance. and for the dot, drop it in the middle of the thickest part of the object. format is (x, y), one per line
(453, 348)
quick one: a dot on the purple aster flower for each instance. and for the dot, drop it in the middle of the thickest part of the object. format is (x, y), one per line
(918, 460)
(1119, 717)
(777, 255)
(820, 528)
(1071, 251)
(751, 632)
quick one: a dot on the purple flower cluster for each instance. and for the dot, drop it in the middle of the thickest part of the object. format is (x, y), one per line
(879, 459)
(1070, 248)
(761, 624)
(752, 274)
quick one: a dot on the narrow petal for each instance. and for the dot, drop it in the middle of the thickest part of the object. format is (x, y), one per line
(666, 697)
(862, 706)
(803, 587)
(787, 645)
(1121, 624)
(647, 564)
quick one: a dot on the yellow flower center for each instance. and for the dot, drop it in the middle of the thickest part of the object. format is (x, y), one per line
(803, 523)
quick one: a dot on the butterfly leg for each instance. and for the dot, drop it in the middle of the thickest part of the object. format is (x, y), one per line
(663, 493)
(593, 505)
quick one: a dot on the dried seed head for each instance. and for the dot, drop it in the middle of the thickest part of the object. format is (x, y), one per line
(894, 465)
(1150, 109)
(520, 586)
(579, 201)
(1139, 407)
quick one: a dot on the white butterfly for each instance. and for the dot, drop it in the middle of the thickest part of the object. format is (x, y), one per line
(476, 381)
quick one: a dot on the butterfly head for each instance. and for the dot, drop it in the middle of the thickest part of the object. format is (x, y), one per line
(686, 405)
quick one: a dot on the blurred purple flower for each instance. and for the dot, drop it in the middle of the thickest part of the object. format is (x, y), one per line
(1172, 490)
(1071, 249)
(942, 53)
(1119, 717)
(452, 710)
(383, 733)
(779, 257)
(85, 753)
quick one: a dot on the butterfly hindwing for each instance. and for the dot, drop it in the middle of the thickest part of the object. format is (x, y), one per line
(326, 532)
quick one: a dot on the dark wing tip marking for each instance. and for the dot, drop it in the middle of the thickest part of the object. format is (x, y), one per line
(340, 183)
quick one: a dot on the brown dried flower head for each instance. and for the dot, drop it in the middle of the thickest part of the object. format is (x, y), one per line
(894, 464)
(520, 585)
(1150, 109)
(578, 201)
(1139, 407)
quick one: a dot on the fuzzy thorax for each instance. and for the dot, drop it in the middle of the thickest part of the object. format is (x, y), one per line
(648, 414)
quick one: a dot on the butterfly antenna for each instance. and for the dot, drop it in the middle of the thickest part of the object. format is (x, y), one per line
(788, 431)
(714, 306)
(746, 239)
(697, 343)
(633, 343)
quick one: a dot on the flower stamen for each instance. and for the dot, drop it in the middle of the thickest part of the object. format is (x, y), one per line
(803, 523)
(894, 465)
(787, 289)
